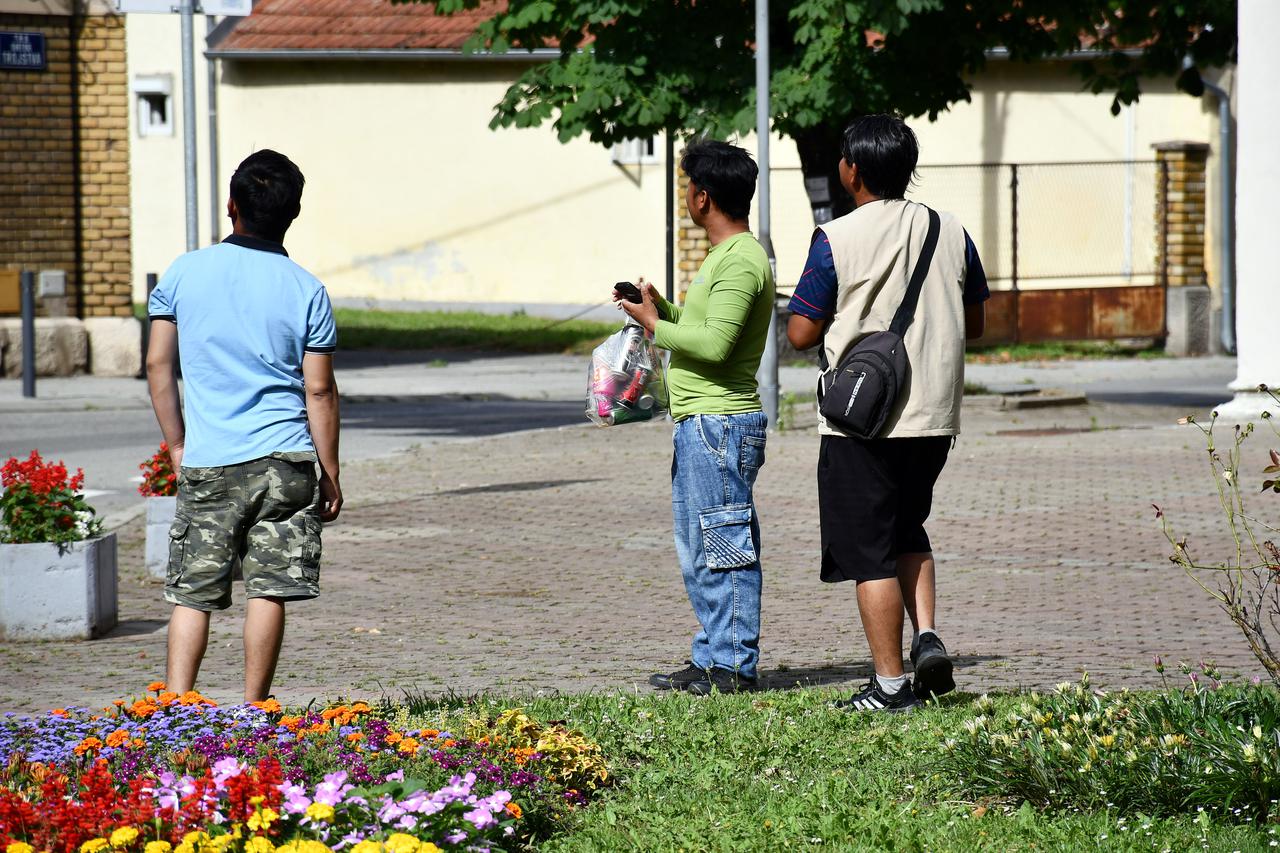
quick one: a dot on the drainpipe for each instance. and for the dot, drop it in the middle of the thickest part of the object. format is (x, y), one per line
(1226, 216)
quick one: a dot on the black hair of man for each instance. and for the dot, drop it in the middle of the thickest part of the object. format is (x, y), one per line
(267, 190)
(885, 151)
(726, 172)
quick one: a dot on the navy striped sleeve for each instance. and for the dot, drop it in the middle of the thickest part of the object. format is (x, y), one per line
(975, 278)
(815, 295)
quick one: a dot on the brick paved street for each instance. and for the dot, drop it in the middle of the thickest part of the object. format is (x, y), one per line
(543, 561)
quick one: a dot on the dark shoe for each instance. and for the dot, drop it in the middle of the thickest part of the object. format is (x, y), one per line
(933, 667)
(677, 680)
(873, 698)
(720, 681)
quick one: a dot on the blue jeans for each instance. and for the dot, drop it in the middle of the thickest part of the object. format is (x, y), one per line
(717, 534)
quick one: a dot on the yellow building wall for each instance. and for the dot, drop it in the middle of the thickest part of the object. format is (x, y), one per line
(411, 197)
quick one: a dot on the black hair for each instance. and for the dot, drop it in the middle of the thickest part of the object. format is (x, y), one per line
(726, 172)
(267, 190)
(885, 151)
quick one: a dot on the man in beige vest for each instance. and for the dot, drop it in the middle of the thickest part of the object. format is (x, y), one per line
(874, 495)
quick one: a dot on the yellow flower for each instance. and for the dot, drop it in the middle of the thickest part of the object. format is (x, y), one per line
(312, 847)
(1107, 741)
(428, 847)
(259, 844)
(19, 847)
(366, 847)
(320, 812)
(157, 847)
(124, 836)
(185, 848)
(262, 818)
(93, 845)
(401, 843)
(196, 836)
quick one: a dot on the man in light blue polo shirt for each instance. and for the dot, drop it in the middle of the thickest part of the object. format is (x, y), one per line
(261, 410)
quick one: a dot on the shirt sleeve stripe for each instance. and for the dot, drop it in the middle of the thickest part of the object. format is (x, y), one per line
(170, 317)
(320, 350)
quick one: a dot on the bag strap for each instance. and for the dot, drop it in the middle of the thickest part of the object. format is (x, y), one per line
(907, 310)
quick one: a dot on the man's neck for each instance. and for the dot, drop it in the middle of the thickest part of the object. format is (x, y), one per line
(720, 229)
(240, 231)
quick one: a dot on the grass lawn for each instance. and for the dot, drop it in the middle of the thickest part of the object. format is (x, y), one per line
(781, 771)
(1058, 351)
(360, 329)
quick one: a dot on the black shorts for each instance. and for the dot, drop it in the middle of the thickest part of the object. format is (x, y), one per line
(873, 499)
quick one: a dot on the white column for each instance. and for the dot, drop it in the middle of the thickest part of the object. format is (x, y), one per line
(1257, 191)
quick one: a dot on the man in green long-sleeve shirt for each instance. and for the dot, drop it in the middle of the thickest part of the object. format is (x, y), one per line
(716, 341)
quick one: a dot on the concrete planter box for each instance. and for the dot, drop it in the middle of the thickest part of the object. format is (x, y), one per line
(159, 519)
(47, 594)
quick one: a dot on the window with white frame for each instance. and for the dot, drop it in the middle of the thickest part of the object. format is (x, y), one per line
(154, 96)
(635, 152)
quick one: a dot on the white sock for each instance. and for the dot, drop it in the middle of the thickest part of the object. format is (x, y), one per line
(916, 635)
(891, 684)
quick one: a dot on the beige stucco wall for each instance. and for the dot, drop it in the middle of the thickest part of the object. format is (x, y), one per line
(159, 221)
(411, 197)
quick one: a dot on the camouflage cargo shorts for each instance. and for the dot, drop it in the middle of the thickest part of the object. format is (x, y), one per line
(261, 515)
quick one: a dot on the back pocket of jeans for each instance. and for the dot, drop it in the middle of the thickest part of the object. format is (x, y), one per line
(726, 536)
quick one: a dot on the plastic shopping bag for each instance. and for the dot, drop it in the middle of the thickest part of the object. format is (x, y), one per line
(627, 381)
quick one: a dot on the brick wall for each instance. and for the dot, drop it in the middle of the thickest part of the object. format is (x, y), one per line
(40, 163)
(692, 244)
(1180, 211)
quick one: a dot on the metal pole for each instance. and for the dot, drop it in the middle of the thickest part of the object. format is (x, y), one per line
(186, 10)
(152, 280)
(28, 280)
(1013, 189)
(671, 217)
(768, 374)
(1226, 219)
(215, 192)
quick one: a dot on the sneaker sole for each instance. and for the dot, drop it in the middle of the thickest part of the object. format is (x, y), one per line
(934, 677)
(662, 682)
(904, 709)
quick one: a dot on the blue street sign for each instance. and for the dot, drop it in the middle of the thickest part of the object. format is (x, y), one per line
(23, 52)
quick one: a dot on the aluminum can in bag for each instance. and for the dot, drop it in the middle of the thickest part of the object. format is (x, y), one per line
(629, 350)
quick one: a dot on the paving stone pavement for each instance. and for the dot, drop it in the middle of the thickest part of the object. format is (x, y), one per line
(543, 562)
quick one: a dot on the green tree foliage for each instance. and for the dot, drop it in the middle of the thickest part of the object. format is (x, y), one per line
(633, 68)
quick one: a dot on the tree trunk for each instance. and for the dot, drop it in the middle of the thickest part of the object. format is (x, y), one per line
(819, 149)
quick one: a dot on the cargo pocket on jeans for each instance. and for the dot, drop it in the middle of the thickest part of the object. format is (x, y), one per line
(726, 536)
(178, 533)
(306, 553)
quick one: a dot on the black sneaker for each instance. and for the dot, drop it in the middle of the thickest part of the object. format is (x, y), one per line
(721, 681)
(677, 680)
(933, 667)
(873, 698)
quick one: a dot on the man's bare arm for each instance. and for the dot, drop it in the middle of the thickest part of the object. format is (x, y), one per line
(322, 415)
(162, 355)
(803, 332)
(975, 320)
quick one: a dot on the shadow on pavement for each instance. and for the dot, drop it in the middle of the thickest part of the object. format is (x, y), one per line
(528, 486)
(1193, 400)
(449, 415)
(137, 628)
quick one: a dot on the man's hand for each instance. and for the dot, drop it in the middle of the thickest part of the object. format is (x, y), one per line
(646, 312)
(330, 498)
(175, 456)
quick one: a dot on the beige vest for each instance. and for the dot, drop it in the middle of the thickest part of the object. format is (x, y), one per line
(875, 249)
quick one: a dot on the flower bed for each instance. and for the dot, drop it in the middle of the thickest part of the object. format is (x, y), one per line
(177, 773)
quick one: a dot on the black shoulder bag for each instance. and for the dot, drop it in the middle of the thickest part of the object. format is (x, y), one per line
(857, 395)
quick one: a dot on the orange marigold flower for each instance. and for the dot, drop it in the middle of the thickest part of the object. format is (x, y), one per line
(156, 687)
(119, 703)
(89, 744)
(355, 737)
(290, 723)
(143, 708)
(450, 742)
(361, 708)
(408, 746)
(394, 738)
(271, 706)
(191, 697)
(168, 697)
(59, 712)
(514, 810)
(117, 737)
(137, 743)
(430, 733)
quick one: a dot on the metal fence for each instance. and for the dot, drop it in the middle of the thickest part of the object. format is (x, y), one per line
(1042, 225)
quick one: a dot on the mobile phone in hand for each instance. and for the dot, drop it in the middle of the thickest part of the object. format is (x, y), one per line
(629, 292)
